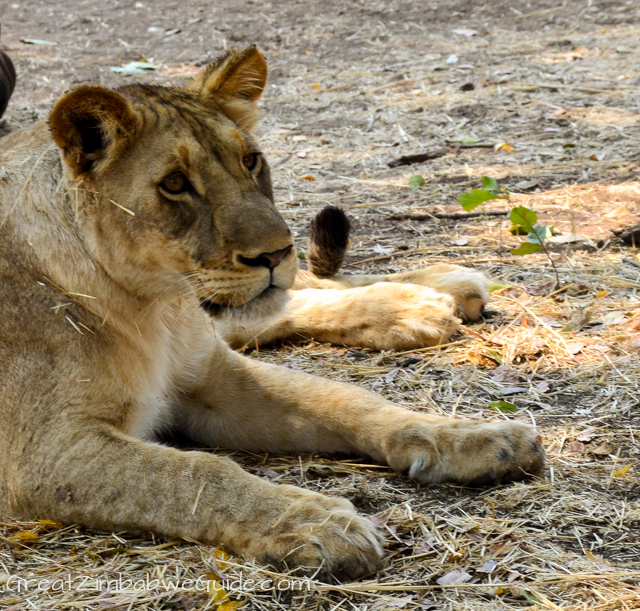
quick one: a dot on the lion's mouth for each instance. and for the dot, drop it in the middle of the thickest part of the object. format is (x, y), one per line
(215, 309)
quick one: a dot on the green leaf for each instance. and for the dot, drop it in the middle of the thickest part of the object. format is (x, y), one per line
(503, 406)
(488, 183)
(301, 255)
(472, 199)
(416, 181)
(494, 355)
(518, 230)
(525, 217)
(526, 248)
(496, 286)
(530, 596)
(464, 140)
(540, 233)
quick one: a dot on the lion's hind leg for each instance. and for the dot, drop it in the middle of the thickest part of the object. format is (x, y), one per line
(327, 249)
(468, 287)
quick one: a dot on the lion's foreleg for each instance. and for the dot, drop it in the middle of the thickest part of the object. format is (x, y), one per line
(261, 407)
(103, 479)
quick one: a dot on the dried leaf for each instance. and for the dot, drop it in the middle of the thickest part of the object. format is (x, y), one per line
(307, 177)
(465, 32)
(380, 519)
(391, 376)
(542, 405)
(613, 318)
(523, 185)
(566, 239)
(575, 347)
(578, 448)
(586, 436)
(418, 158)
(512, 390)
(134, 68)
(410, 360)
(589, 554)
(603, 449)
(24, 537)
(267, 473)
(543, 386)
(622, 471)
(395, 603)
(453, 577)
(524, 298)
(49, 524)
(425, 545)
(582, 319)
(487, 567)
(505, 146)
(215, 589)
(383, 250)
(35, 41)
(616, 212)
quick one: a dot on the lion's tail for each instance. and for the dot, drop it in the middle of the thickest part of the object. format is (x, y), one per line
(328, 241)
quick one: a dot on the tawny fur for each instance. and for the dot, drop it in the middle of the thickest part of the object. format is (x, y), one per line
(381, 312)
(104, 343)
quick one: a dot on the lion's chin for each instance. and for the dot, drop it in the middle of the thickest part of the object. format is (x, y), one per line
(267, 304)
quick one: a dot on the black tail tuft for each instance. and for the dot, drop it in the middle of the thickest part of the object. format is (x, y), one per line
(328, 241)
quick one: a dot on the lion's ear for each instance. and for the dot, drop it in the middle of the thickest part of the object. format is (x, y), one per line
(236, 82)
(88, 122)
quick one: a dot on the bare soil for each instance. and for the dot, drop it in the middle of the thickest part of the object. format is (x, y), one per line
(543, 96)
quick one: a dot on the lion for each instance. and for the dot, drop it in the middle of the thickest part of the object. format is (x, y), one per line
(131, 223)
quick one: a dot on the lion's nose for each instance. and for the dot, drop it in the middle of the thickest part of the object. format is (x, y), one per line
(270, 260)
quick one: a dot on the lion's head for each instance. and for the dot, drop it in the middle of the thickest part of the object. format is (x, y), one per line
(178, 192)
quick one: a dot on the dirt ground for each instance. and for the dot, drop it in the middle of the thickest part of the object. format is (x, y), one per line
(541, 95)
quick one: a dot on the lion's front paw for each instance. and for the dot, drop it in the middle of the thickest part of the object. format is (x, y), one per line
(320, 535)
(476, 454)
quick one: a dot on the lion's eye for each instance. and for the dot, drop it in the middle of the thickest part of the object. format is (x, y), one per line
(250, 161)
(176, 183)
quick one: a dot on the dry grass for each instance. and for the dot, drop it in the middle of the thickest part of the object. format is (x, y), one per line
(559, 84)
